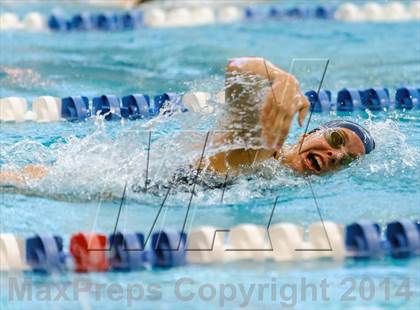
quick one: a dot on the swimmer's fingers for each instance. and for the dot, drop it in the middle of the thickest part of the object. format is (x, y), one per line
(267, 107)
(285, 117)
(282, 103)
(268, 120)
(277, 128)
(283, 130)
(303, 108)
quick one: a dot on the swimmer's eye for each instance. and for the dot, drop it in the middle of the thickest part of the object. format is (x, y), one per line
(335, 138)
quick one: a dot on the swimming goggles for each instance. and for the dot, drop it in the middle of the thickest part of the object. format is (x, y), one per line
(336, 139)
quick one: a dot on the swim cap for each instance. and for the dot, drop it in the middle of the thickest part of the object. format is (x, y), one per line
(361, 132)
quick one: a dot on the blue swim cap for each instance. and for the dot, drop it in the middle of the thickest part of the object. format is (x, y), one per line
(361, 132)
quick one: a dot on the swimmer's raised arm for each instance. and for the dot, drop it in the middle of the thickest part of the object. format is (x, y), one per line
(255, 117)
(272, 121)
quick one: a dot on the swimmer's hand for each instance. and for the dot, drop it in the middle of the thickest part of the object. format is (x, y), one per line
(282, 103)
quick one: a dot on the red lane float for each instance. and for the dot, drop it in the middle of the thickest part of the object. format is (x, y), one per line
(89, 251)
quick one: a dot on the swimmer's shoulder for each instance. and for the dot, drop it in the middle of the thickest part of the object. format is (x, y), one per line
(20, 178)
(232, 161)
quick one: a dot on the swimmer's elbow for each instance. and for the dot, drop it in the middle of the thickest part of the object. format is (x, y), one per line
(239, 64)
(232, 65)
(255, 65)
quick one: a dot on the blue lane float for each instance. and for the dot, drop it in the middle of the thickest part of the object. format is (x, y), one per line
(404, 238)
(106, 21)
(348, 100)
(45, 253)
(297, 12)
(373, 99)
(81, 22)
(127, 251)
(277, 12)
(407, 98)
(135, 106)
(131, 20)
(58, 22)
(173, 98)
(320, 102)
(250, 13)
(376, 99)
(155, 105)
(168, 249)
(75, 108)
(363, 240)
(324, 12)
(107, 105)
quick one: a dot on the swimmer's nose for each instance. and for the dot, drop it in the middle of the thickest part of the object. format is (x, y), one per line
(334, 158)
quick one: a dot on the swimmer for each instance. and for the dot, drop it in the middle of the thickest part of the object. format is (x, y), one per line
(261, 102)
(263, 122)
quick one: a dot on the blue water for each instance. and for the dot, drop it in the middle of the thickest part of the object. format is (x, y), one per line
(91, 161)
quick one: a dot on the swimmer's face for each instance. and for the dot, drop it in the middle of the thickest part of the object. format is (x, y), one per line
(327, 150)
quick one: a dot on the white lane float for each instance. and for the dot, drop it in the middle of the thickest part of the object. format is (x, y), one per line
(348, 12)
(13, 109)
(230, 14)
(10, 21)
(34, 21)
(47, 109)
(203, 16)
(286, 238)
(414, 9)
(12, 253)
(328, 239)
(247, 242)
(198, 102)
(375, 12)
(205, 245)
(289, 243)
(396, 11)
(372, 11)
(155, 17)
(179, 17)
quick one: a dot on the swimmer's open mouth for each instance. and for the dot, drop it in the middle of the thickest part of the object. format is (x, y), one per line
(314, 162)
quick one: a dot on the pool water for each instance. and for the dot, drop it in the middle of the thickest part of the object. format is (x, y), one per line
(91, 161)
